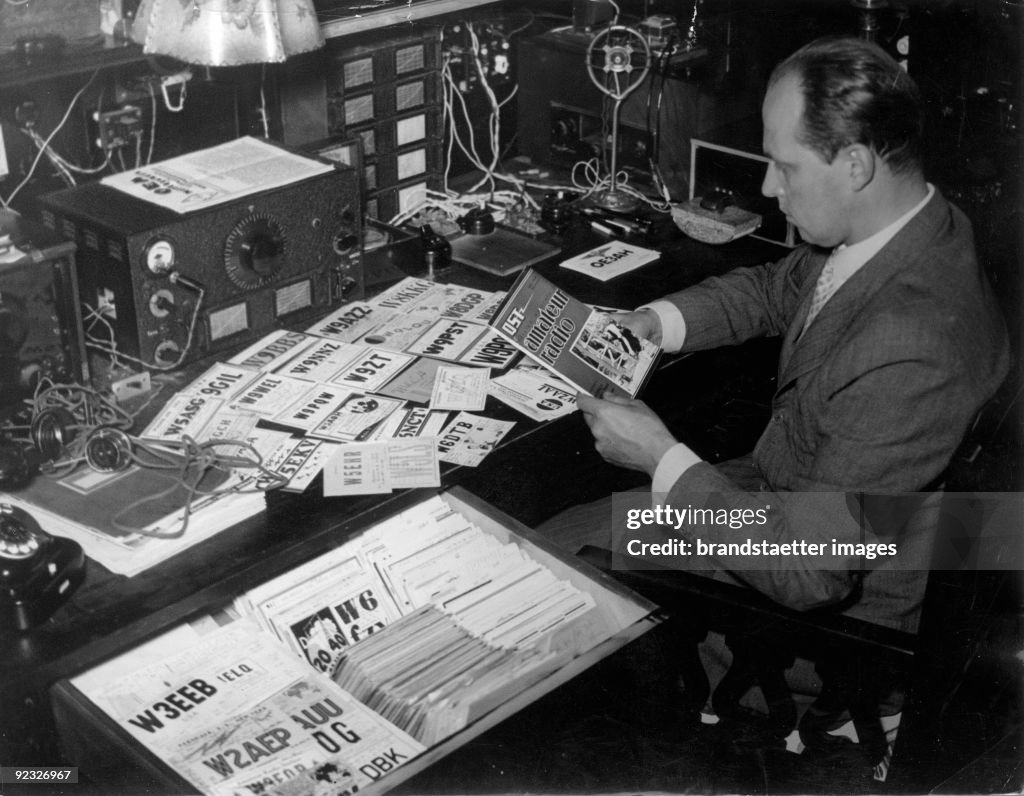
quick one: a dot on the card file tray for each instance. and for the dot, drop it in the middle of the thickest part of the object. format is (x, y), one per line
(106, 754)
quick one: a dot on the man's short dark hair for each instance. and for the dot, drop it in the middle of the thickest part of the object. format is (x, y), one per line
(856, 93)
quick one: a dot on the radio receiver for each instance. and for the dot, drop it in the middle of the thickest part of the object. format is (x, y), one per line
(166, 288)
(40, 325)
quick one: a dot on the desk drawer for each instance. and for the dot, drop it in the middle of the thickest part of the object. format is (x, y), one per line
(100, 731)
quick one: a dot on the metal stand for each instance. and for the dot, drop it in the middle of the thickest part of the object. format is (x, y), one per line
(622, 57)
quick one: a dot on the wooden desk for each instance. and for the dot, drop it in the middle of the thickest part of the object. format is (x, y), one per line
(110, 614)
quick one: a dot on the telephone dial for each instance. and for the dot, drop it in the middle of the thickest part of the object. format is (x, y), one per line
(38, 572)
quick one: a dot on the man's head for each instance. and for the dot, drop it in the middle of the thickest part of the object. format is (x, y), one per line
(842, 123)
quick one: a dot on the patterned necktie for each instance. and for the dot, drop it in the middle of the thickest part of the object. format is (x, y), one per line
(823, 290)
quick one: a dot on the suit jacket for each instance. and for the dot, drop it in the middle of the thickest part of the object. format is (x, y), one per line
(875, 396)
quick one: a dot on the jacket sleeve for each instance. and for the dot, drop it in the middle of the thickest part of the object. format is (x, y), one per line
(759, 301)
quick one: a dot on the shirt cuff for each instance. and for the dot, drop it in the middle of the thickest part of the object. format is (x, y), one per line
(676, 461)
(673, 326)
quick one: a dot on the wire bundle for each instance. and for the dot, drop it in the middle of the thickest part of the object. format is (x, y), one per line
(94, 317)
(468, 144)
(66, 169)
(188, 464)
(44, 146)
(452, 206)
(585, 176)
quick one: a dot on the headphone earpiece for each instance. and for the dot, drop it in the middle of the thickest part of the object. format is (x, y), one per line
(52, 430)
(108, 449)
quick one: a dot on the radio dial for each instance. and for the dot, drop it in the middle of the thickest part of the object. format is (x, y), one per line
(159, 256)
(255, 251)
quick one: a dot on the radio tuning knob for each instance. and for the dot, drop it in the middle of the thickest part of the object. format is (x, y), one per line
(255, 251)
(161, 303)
(167, 352)
(261, 253)
(345, 286)
(344, 242)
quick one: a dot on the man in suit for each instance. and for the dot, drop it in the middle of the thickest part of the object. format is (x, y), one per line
(891, 345)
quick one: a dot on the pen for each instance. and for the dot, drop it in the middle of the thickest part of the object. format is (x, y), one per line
(602, 228)
(619, 225)
(625, 227)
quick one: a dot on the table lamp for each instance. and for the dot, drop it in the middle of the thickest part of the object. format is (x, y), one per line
(227, 32)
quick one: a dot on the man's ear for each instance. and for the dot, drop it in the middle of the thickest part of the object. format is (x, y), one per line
(860, 163)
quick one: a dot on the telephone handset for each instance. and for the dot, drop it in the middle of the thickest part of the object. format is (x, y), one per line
(38, 572)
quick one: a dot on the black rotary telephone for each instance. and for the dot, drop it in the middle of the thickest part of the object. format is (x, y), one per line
(38, 572)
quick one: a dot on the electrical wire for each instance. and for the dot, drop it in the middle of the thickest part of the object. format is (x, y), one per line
(451, 206)
(592, 182)
(152, 121)
(6, 202)
(532, 18)
(654, 156)
(137, 135)
(468, 145)
(62, 162)
(87, 407)
(265, 121)
(109, 347)
(659, 77)
(55, 160)
(494, 118)
(187, 463)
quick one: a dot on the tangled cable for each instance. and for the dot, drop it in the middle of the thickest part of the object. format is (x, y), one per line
(62, 415)
(586, 178)
(451, 206)
(74, 425)
(190, 463)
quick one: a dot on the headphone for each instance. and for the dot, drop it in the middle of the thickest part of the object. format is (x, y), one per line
(71, 425)
(52, 429)
(108, 449)
(54, 435)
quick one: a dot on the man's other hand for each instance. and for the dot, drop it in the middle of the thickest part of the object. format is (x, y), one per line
(642, 323)
(627, 433)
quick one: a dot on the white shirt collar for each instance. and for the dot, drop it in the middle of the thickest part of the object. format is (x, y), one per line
(846, 260)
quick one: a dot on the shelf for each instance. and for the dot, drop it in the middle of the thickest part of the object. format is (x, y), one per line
(343, 19)
(340, 19)
(72, 61)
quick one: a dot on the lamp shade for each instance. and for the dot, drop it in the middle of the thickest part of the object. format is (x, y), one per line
(227, 32)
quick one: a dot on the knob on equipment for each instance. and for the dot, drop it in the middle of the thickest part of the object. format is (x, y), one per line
(255, 251)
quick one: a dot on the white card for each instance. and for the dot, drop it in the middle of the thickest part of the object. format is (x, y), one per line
(358, 469)
(609, 260)
(469, 438)
(459, 388)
